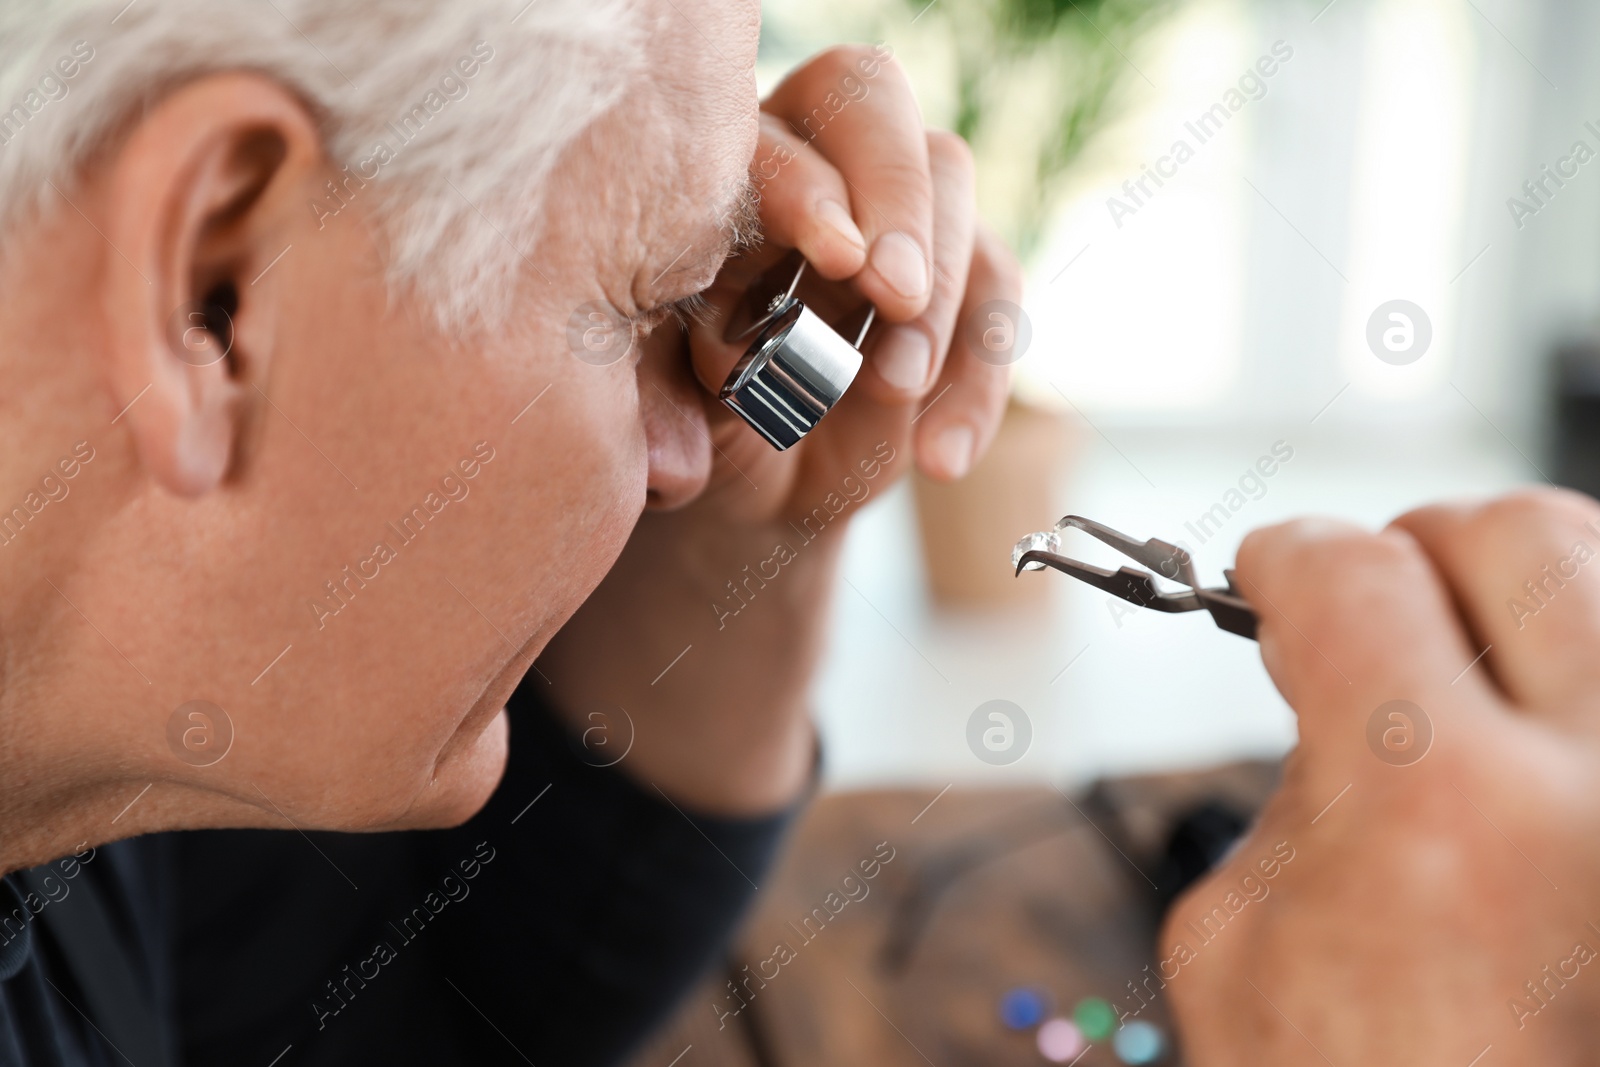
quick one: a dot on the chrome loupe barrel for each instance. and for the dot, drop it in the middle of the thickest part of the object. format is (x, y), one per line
(793, 373)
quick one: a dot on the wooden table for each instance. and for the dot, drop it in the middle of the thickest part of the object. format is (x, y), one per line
(981, 892)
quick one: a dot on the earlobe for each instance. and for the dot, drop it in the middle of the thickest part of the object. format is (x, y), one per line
(195, 208)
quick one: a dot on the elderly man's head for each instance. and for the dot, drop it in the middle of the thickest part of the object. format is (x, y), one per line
(311, 411)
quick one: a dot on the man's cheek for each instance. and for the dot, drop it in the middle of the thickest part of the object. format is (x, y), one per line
(584, 475)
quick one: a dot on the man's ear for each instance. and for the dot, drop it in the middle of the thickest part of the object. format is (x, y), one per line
(199, 202)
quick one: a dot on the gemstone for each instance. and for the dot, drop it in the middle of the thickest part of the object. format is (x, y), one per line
(1022, 1008)
(1138, 1042)
(1095, 1017)
(1060, 1041)
(1043, 541)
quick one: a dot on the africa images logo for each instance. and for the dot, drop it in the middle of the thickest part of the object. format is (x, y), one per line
(999, 732)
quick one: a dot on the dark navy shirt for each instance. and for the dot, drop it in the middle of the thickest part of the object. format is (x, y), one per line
(52, 1013)
(556, 926)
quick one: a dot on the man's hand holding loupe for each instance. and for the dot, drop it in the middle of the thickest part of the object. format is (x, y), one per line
(882, 211)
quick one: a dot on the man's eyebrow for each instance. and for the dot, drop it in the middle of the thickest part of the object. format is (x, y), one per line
(740, 222)
(737, 224)
(736, 228)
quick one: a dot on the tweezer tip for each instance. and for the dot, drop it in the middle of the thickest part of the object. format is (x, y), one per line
(1030, 556)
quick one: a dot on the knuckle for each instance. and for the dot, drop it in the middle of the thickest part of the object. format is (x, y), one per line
(908, 180)
(1354, 572)
(952, 151)
(1322, 575)
(1430, 516)
(852, 70)
(1534, 507)
(1298, 544)
(842, 59)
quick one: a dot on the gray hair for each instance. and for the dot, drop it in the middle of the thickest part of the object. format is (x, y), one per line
(445, 115)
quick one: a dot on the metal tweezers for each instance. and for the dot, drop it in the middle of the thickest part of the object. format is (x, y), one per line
(1226, 606)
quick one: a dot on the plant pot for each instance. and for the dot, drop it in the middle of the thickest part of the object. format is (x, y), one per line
(969, 527)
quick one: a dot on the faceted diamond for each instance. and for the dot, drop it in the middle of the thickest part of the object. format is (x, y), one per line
(1044, 541)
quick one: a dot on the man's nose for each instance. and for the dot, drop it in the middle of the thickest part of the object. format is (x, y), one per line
(671, 405)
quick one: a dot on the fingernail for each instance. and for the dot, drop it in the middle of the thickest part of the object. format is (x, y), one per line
(901, 264)
(837, 218)
(904, 358)
(953, 449)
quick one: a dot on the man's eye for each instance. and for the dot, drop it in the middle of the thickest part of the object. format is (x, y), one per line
(686, 310)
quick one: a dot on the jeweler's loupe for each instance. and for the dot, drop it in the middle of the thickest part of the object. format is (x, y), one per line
(796, 368)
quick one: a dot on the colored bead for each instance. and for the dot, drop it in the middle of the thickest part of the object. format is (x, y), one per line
(1060, 1041)
(1095, 1018)
(1023, 1008)
(1138, 1042)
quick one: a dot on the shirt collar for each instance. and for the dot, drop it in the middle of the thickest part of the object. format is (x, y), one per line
(15, 947)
